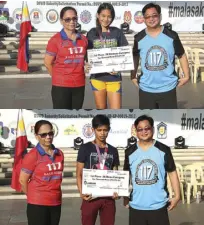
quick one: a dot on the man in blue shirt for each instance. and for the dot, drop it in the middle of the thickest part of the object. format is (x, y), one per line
(157, 46)
(148, 162)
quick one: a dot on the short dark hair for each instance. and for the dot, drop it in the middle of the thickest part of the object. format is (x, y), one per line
(40, 123)
(149, 6)
(62, 12)
(142, 118)
(104, 6)
(100, 120)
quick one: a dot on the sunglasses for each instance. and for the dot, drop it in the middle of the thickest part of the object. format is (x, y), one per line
(139, 130)
(69, 19)
(44, 135)
(155, 16)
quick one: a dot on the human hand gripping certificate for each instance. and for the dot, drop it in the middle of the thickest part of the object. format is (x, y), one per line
(100, 183)
(107, 60)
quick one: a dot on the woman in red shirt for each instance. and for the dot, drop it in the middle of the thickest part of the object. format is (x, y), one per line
(41, 178)
(64, 60)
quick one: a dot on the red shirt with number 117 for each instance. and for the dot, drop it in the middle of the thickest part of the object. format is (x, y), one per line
(44, 187)
(68, 66)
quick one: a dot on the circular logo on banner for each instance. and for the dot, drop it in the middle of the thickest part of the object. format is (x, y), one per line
(52, 16)
(139, 17)
(127, 17)
(36, 16)
(55, 128)
(87, 131)
(85, 17)
(17, 15)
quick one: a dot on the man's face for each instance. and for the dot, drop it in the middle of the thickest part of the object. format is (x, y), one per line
(101, 133)
(144, 131)
(152, 18)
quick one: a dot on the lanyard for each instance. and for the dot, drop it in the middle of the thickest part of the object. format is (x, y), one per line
(103, 40)
(102, 160)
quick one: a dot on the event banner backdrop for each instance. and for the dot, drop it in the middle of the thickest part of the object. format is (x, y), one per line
(183, 15)
(69, 124)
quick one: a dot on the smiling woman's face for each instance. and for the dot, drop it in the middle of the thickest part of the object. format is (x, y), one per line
(105, 18)
(69, 20)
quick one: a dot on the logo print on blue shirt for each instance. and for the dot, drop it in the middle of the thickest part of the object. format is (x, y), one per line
(146, 172)
(156, 58)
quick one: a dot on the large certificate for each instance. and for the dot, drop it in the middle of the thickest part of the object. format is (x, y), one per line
(110, 59)
(101, 183)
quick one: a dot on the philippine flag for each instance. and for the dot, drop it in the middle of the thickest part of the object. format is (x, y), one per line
(23, 50)
(20, 149)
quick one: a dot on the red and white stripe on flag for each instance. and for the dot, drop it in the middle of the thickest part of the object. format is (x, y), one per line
(20, 148)
(25, 29)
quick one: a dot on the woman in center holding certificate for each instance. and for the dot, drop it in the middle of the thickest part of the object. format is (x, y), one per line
(106, 85)
(97, 155)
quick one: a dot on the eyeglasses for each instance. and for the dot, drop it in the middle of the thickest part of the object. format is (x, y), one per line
(69, 19)
(44, 135)
(155, 16)
(139, 130)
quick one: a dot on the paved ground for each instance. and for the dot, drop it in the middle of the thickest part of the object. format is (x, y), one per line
(12, 212)
(35, 93)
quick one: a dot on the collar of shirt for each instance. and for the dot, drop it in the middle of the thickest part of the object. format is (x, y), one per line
(42, 151)
(65, 37)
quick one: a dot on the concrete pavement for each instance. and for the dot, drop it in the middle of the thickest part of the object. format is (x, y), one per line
(35, 93)
(13, 212)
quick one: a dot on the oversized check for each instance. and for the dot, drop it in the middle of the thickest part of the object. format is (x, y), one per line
(101, 183)
(110, 59)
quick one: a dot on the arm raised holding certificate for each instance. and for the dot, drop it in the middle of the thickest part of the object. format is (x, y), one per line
(107, 60)
(103, 183)
(104, 59)
(97, 174)
(97, 164)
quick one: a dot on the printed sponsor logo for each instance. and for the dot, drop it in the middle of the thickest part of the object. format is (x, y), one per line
(162, 131)
(85, 16)
(156, 58)
(120, 131)
(17, 15)
(87, 131)
(4, 15)
(146, 172)
(138, 17)
(127, 17)
(36, 16)
(133, 130)
(71, 130)
(52, 16)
